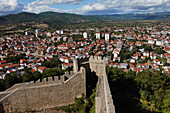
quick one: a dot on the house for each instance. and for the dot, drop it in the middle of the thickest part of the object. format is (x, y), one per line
(135, 56)
(116, 52)
(116, 59)
(66, 65)
(62, 47)
(22, 61)
(167, 49)
(3, 57)
(10, 71)
(152, 55)
(123, 65)
(146, 53)
(98, 35)
(157, 61)
(65, 60)
(139, 65)
(151, 42)
(116, 65)
(41, 69)
(159, 43)
(143, 57)
(107, 36)
(33, 70)
(168, 60)
(3, 62)
(139, 43)
(68, 60)
(132, 67)
(132, 60)
(146, 65)
(86, 35)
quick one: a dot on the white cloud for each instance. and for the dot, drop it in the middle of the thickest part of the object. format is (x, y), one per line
(39, 6)
(53, 2)
(10, 6)
(98, 7)
(44, 8)
(124, 6)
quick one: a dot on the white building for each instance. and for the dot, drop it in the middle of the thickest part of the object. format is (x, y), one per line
(151, 41)
(159, 43)
(59, 31)
(98, 35)
(107, 36)
(37, 31)
(27, 33)
(86, 35)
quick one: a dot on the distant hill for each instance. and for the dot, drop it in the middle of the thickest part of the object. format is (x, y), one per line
(47, 17)
(67, 18)
(148, 16)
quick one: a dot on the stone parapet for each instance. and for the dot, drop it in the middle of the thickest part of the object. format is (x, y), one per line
(104, 101)
(60, 90)
(108, 97)
(48, 93)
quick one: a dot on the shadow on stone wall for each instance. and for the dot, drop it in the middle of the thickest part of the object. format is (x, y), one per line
(1, 109)
(91, 81)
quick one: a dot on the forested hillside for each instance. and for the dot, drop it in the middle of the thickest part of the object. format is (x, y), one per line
(144, 92)
(67, 18)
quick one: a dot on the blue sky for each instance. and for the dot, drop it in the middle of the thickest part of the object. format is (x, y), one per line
(85, 7)
(62, 6)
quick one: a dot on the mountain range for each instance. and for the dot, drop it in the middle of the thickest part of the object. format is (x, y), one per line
(67, 18)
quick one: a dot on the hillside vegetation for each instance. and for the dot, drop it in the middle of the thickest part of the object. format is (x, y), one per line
(67, 18)
(144, 92)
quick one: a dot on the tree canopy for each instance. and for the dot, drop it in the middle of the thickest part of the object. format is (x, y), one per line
(144, 92)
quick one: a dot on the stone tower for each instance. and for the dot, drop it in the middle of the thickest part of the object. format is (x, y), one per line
(75, 65)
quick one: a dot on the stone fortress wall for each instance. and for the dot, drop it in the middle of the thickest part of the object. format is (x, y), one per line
(104, 101)
(45, 94)
(60, 91)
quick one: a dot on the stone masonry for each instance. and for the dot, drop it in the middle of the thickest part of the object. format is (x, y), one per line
(45, 94)
(104, 101)
(60, 91)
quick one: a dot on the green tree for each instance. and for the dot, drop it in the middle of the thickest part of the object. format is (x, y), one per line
(147, 91)
(52, 72)
(148, 48)
(11, 79)
(54, 62)
(159, 50)
(166, 102)
(37, 75)
(27, 76)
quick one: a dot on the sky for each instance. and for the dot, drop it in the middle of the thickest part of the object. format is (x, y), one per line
(84, 7)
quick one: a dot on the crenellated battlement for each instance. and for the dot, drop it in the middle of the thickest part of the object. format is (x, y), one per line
(60, 90)
(92, 58)
(104, 101)
(49, 93)
(68, 74)
(96, 64)
(82, 59)
(45, 81)
(96, 59)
